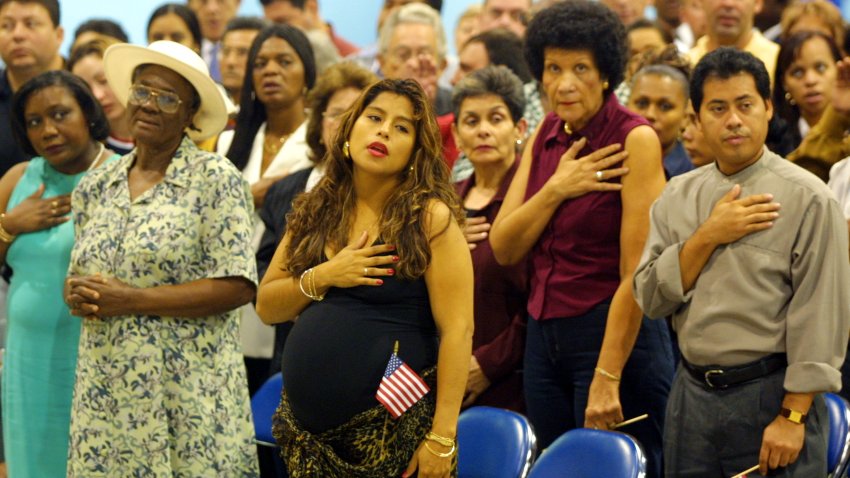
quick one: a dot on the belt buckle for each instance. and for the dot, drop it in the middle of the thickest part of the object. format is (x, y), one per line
(710, 373)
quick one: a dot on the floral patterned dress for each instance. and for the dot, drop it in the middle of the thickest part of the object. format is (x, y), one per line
(163, 396)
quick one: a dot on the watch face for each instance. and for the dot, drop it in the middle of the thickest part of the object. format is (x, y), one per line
(793, 415)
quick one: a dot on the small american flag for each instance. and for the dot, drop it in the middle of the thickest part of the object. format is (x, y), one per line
(401, 387)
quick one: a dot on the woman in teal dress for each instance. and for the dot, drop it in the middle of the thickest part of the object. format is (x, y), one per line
(55, 117)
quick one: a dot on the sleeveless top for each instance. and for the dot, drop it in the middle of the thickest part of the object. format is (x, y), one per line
(575, 263)
(337, 351)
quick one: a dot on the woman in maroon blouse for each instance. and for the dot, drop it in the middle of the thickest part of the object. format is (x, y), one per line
(590, 359)
(488, 127)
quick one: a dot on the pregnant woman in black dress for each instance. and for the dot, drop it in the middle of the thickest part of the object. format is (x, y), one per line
(373, 261)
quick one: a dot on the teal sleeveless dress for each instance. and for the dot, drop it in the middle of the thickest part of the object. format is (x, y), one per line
(42, 338)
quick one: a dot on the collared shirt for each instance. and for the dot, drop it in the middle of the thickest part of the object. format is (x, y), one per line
(781, 290)
(575, 263)
(10, 152)
(762, 48)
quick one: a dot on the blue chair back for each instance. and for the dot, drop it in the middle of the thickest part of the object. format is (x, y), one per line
(586, 453)
(494, 443)
(263, 405)
(838, 449)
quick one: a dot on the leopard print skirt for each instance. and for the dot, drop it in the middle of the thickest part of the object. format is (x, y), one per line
(370, 445)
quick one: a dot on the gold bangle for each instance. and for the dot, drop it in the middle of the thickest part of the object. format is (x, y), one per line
(607, 374)
(310, 289)
(5, 236)
(316, 295)
(440, 439)
(441, 455)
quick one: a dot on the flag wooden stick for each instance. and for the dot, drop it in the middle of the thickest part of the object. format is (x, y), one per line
(630, 421)
(743, 474)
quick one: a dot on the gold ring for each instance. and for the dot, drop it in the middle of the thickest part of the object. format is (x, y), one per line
(599, 176)
(55, 204)
(365, 271)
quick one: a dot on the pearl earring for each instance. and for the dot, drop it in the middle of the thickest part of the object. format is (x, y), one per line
(790, 99)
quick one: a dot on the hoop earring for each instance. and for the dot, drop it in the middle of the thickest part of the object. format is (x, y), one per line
(605, 85)
(790, 99)
(346, 150)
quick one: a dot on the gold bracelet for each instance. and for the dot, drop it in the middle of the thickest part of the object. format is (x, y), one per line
(316, 295)
(440, 439)
(310, 289)
(5, 236)
(607, 374)
(301, 284)
(441, 455)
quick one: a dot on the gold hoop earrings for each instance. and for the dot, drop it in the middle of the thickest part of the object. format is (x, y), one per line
(346, 150)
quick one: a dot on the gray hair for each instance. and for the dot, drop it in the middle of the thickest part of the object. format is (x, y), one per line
(418, 13)
(668, 71)
(496, 80)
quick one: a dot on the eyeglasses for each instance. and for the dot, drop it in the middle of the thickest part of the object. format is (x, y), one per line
(167, 102)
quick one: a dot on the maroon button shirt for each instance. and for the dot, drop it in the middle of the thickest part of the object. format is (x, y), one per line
(575, 263)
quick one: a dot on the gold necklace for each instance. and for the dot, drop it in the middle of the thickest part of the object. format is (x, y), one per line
(271, 147)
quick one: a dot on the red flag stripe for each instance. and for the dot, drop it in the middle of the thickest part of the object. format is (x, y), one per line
(413, 379)
(392, 393)
(392, 402)
(400, 393)
(389, 404)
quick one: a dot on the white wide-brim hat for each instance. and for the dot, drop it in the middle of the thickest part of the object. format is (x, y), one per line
(122, 59)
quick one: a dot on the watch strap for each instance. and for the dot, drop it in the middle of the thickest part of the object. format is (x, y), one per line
(793, 415)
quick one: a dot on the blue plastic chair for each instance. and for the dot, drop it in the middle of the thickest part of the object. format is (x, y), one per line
(494, 443)
(263, 405)
(586, 453)
(838, 449)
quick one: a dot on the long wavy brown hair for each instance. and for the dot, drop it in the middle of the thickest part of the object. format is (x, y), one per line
(324, 216)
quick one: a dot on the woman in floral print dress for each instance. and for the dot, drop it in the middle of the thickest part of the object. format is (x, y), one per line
(162, 260)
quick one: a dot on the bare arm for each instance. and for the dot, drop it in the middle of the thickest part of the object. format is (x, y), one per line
(7, 185)
(641, 187)
(520, 223)
(102, 297)
(449, 281)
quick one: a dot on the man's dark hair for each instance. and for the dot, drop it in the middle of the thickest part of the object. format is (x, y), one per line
(579, 25)
(52, 7)
(103, 26)
(95, 118)
(299, 4)
(504, 47)
(245, 23)
(724, 63)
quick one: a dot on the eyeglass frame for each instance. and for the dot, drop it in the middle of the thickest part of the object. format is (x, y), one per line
(155, 94)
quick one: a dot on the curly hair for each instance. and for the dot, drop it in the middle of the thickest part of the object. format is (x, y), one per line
(323, 217)
(337, 77)
(579, 25)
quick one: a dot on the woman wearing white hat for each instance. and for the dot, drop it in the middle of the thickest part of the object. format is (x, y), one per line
(161, 262)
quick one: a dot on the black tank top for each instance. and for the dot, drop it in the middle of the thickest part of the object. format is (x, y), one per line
(338, 350)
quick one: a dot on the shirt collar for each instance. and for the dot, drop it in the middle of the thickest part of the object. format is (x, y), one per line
(748, 172)
(597, 123)
(175, 173)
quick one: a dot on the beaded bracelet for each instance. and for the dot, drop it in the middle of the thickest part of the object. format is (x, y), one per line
(310, 291)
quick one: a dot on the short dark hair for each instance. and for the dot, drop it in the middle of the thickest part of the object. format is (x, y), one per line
(504, 47)
(104, 26)
(644, 24)
(299, 4)
(185, 14)
(495, 80)
(252, 113)
(579, 25)
(52, 7)
(95, 118)
(245, 23)
(724, 63)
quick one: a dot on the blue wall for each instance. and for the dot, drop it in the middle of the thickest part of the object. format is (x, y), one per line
(355, 20)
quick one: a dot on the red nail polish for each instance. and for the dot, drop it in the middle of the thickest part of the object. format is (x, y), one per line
(392, 248)
(390, 271)
(380, 282)
(395, 258)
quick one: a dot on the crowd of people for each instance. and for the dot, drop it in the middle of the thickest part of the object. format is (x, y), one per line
(589, 214)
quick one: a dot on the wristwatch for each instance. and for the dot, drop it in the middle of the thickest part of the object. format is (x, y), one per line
(793, 415)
